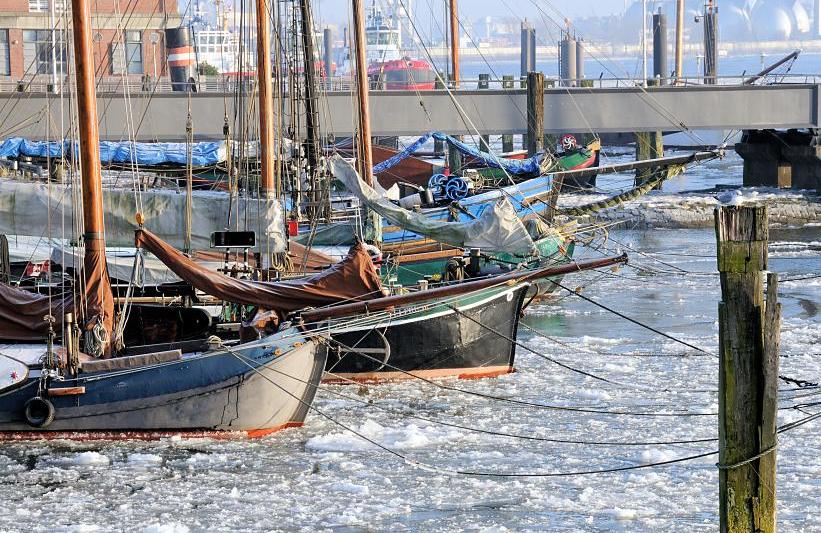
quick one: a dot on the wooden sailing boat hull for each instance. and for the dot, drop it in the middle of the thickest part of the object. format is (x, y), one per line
(432, 340)
(410, 170)
(526, 198)
(213, 393)
(408, 266)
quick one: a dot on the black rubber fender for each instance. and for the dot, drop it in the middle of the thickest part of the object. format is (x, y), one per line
(39, 412)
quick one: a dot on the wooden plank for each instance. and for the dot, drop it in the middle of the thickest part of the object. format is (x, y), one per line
(67, 391)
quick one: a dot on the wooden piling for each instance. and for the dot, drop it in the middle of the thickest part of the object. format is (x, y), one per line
(535, 113)
(649, 145)
(484, 83)
(748, 372)
(439, 84)
(507, 140)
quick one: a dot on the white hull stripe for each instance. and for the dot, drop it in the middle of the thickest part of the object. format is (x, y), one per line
(177, 60)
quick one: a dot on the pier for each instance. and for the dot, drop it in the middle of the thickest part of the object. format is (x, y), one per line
(494, 108)
(492, 111)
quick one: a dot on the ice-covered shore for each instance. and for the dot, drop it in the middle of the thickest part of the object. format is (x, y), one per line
(692, 210)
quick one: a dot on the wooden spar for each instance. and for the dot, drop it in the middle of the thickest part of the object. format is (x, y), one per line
(454, 42)
(679, 39)
(454, 159)
(365, 157)
(99, 302)
(645, 163)
(381, 304)
(266, 100)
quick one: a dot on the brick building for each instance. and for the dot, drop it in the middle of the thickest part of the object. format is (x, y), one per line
(25, 37)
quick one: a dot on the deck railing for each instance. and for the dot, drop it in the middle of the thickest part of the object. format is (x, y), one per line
(223, 84)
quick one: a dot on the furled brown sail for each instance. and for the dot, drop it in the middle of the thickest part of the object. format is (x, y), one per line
(23, 314)
(355, 278)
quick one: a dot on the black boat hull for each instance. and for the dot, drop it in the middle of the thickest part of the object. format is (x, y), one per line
(473, 341)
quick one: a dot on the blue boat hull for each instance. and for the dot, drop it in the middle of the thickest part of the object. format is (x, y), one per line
(257, 387)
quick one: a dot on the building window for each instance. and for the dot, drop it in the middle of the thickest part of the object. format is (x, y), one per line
(38, 6)
(129, 58)
(37, 50)
(5, 69)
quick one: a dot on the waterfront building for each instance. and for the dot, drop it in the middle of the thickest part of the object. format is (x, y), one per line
(128, 37)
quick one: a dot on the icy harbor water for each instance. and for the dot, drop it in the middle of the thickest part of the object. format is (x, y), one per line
(322, 477)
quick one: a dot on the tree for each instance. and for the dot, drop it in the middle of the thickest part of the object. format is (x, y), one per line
(207, 69)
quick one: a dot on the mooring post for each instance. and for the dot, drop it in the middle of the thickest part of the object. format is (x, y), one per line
(649, 145)
(439, 84)
(484, 83)
(507, 140)
(535, 113)
(748, 330)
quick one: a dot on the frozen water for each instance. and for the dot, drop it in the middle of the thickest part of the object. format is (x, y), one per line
(323, 477)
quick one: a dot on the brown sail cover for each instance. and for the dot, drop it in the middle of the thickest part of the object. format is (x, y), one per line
(355, 278)
(22, 314)
(99, 301)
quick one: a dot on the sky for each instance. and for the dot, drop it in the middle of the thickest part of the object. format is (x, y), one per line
(335, 11)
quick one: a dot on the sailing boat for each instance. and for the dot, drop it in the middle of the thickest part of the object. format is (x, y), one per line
(58, 391)
(465, 329)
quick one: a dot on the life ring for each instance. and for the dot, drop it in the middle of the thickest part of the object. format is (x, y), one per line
(39, 412)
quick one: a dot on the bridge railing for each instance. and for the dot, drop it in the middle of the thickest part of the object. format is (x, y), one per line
(223, 84)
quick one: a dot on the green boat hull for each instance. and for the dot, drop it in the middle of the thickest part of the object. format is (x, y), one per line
(552, 250)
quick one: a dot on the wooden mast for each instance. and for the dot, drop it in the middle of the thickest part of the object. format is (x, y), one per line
(313, 145)
(454, 43)
(365, 156)
(99, 303)
(679, 39)
(373, 222)
(266, 101)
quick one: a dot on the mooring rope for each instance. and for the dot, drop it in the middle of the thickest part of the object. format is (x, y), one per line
(634, 321)
(474, 473)
(522, 403)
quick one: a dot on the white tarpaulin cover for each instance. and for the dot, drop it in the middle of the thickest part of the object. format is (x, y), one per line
(25, 209)
(497, 229)
(120, 264)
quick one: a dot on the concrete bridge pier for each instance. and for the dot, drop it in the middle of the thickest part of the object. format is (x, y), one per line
(806, 166)
(784, 159)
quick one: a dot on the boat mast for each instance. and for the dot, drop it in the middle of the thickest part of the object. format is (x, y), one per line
(644, 43)
(268, 187)
(312, 142)
(373, 224)
(99, 302)
(365, 156)
(679, 39)
(454, 43)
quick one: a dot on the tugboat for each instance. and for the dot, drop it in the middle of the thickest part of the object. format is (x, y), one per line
(403, 75)
(389, 67)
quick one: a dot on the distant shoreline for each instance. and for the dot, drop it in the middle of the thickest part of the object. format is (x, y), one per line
(629, 51)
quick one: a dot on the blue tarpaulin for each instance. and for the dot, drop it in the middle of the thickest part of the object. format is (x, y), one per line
(150, 154)
(517, 167)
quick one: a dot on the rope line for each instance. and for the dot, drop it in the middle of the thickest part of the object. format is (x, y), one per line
(518, 402)
(634, 321)
(767, 451)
